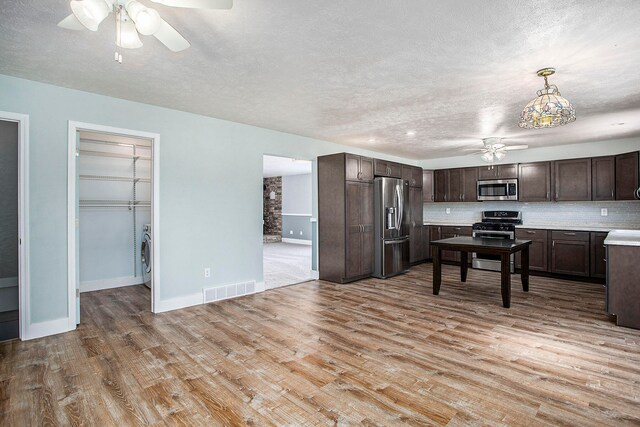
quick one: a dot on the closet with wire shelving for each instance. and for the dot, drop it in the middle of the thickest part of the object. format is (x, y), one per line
(114, 188)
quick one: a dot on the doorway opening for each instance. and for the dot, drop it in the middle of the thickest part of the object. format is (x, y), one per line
(113, 213)
(9, 235)
(287, 215)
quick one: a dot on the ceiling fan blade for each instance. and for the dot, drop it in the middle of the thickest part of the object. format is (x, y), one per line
(170, 37)
(71, 23)
(197, 4)
(515, 147)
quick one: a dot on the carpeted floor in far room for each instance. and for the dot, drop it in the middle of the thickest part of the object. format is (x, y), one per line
(286, 264)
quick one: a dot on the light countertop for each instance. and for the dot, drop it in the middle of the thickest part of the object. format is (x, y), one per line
(623, 238)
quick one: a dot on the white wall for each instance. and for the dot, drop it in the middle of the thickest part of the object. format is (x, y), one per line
(211, 180)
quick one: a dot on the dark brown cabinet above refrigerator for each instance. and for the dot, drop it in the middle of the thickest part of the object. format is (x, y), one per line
(386, 168)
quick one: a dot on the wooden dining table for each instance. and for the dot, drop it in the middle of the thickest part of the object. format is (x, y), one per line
(501, 247)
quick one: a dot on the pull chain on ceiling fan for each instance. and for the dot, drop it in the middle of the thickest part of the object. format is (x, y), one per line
(133, 18)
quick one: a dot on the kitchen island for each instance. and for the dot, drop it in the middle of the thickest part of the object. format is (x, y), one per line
(503, 248)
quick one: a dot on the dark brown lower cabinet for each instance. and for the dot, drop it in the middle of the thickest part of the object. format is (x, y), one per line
(570, 252)
(416, 245)
(598, 255)
(453, 231)
(537, 251)
(426, 239)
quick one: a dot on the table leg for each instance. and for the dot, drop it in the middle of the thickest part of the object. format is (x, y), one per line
(505, 283)
(437, 269)
(464, 266)
(524, 269)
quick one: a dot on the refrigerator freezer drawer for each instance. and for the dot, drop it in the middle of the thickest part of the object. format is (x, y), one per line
(395, 258)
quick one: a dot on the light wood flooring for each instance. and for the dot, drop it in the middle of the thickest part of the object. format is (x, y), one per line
(374, 352)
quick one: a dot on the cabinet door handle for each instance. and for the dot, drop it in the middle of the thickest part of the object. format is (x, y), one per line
(547, 196)
(358, 175)
(553, 245)
(531, 232)
(556, 195)
(612, 193)
(432, 197)
(569, 234)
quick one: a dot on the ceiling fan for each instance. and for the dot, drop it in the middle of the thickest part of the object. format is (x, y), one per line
(494, 150)
(134, 18)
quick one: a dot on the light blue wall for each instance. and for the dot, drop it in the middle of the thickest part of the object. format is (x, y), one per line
(296, 194)
(211, 181)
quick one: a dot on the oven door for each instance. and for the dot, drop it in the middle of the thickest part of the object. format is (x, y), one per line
(487, 261)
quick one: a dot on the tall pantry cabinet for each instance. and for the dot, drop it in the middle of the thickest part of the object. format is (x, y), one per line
(345, 217)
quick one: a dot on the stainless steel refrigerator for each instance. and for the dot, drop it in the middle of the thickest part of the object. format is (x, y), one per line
(391, 227)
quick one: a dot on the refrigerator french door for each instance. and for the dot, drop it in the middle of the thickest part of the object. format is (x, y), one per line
(391, 227)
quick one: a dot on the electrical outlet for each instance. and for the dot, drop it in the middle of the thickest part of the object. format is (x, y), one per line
(301, 233)
(207, 272)
(604, 212)
(290, 231)
(448, 210)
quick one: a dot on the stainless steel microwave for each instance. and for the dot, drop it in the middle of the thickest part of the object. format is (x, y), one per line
(498, 189)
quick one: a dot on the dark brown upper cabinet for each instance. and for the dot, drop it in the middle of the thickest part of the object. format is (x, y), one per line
(386, 168)
(498, 171)
(428, 194)
(456, 186)
(358, 168)
(603, 178)
(534, 182)
(572, 179)
(413, 175)
(441, 184)
(627, 176)
(469, 184)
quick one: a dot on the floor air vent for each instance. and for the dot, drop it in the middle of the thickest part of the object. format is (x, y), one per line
(229, 291)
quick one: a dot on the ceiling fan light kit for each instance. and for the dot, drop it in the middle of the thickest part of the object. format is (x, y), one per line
(133, 18)
(90, 13)
(549, 108)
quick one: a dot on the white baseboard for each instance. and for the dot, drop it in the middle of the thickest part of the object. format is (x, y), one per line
(118, 282)
(296, 241)
(50, 327)
(315, 274)
(260, 287)
(179, 302)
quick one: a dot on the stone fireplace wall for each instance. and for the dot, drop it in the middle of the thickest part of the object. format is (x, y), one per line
(272, 209)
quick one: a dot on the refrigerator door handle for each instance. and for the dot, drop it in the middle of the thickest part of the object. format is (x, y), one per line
(400, 210)
(396, 241)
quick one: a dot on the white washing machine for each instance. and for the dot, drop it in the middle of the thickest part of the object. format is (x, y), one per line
(145, 255)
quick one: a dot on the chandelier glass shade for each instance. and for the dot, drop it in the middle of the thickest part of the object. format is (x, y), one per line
(549, 108)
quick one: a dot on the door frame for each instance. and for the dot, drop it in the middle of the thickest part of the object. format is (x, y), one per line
(72, 200)
(24, 318)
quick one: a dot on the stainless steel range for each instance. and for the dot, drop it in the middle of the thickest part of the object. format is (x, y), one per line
(495, 225)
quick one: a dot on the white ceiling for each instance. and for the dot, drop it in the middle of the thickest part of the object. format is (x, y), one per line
(360, 72)
(284, 166)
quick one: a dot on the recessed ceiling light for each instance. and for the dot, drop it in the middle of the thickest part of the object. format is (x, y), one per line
(617, 124)
(411, 133)
(371, 140)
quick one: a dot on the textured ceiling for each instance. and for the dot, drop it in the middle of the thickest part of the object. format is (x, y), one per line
(284, 166)
(359, 72)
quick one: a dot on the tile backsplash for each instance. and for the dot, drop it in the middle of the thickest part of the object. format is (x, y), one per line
(621, 214)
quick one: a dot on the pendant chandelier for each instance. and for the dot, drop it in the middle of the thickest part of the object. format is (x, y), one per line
(549, 109)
